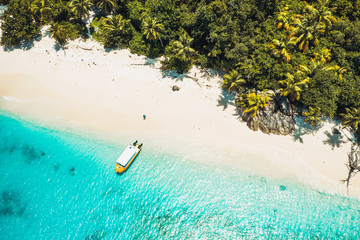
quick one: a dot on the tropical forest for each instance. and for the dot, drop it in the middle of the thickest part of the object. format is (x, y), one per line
(308, 51)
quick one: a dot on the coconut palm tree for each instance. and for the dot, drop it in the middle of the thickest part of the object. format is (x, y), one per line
(293, 86)
(324, 55)
(284, 18)
(315, 65)
(251, 102)
(312, 116)
(42, 9)
(233, 82)
(184, 51)
(310, 70)
(58, 32)
(351, 118)
(114, 23)
(107, 6)
(80, 8)
(339, 71)
(152, 29)
(280, 49)
(305, 31)
(322, 13)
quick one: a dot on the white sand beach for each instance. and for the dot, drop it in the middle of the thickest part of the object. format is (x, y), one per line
(87, 88)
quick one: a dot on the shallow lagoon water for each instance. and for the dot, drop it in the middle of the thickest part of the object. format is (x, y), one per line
(57, 185)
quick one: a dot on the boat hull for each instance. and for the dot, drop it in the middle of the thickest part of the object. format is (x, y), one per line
(121, 169)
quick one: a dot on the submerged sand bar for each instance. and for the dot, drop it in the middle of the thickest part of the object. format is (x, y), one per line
(108, 93)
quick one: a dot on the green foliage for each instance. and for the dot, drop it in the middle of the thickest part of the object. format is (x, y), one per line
(138, 45)
(351, 118)
(107, 6)
(80, 8)
(312, 116)
(293, 86)
(251, 102)
(21, 28)
(179, 54)
(259, 44)
(64, 31)
(323, 92)
(233, 82)
(114, 31)
(152, 29)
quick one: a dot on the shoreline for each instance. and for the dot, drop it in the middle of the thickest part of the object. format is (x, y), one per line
(108, 92)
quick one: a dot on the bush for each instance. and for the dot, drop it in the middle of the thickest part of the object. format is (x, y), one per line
(138, 45)
(18, 24)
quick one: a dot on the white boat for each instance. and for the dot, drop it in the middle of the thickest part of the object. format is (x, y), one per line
(127, 157)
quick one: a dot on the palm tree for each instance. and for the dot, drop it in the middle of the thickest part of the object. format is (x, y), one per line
(42, 9)
(315, 64)
(280, 49)
(58, 32)
(322, 13)
(305, 32)
(339, 71)
(233, 82)
(152, 29)
(312, 116)
(80, 8)
(107, 6)
(184, 51)
(324, 55)
(293, 86)
(283, 18)
(114, 23)
(351, 118)
(310, 70)
(252, 102)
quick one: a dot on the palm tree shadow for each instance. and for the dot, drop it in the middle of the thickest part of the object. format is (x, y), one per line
(335, 139)
(208, 73)
(174, 75)
(150, 62)
(303, 128)
(226, 99)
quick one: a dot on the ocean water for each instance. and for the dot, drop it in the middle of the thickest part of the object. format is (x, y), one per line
(57, 185)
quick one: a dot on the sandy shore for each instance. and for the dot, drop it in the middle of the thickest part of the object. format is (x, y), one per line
(108, 93)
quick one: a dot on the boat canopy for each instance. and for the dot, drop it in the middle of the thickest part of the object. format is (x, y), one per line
(127, 155)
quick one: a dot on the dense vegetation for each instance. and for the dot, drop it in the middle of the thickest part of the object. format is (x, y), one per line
(308, 50)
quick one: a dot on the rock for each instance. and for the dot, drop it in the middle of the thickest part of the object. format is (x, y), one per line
(275, 118)
(175, 88)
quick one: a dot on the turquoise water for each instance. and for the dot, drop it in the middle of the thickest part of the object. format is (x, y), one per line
(55, 185)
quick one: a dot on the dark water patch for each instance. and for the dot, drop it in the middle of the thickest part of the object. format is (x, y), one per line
(72, 171)
(7, 146)
(11, 203)
(12, 149)
(97, 235)
(31, 154)
(117, 210)
(56, 167)
(112, 191)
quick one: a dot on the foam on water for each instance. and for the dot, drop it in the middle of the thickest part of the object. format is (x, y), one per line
(55, 185)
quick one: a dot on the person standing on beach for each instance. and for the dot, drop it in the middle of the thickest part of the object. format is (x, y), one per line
(144, 116)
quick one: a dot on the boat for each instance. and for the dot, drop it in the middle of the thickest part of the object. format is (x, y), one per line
(127, 157)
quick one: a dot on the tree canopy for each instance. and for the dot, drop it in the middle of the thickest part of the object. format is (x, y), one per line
(308, 50)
